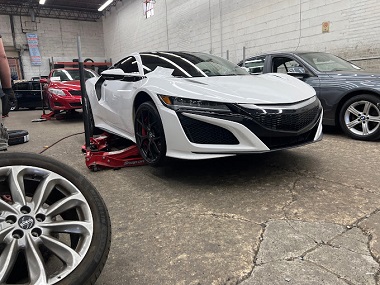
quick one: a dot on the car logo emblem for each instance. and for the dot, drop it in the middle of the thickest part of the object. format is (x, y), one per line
(26, 222)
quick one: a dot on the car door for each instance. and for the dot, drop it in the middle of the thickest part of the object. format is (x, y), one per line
(293, 66)
(117, 93)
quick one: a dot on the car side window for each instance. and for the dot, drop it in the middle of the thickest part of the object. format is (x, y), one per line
(128, 65)
(286, 65)
(255, 65)
(61, 75)
(151, 62)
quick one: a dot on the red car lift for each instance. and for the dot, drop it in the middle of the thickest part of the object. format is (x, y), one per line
(99, 154)
(99, 150)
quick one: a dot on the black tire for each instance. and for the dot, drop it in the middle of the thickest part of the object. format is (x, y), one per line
(359, 117)
(149, 134)
(17, 137)
(70, 221)
(14, 105)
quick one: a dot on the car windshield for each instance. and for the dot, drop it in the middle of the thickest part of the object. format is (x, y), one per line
(72, 74)
(326, 62)
(186, 64)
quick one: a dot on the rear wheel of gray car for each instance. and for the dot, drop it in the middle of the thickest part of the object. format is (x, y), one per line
(360, 117)
(149, 133)
(54, 226)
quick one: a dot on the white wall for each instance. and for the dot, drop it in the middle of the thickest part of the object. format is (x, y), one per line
(57, 39)
(220, 25)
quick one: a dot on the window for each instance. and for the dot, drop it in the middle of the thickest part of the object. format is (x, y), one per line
(128, 65)
(286, 65)
(255, 65)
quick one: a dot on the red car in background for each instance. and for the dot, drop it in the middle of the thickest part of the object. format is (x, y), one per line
(62, 90)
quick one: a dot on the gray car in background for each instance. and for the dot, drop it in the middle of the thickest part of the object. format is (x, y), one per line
(350, 96)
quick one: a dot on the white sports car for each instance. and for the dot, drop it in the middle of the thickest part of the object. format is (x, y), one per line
(193, 105)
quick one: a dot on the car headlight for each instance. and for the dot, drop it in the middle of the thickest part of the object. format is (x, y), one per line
(177, 103)
(57, 92)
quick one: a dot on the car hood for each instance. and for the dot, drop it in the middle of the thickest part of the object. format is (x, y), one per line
(250, 89)
(65, 85)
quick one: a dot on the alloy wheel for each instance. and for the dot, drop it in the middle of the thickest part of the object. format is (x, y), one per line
(46, 226)
(362, 118)
(150, 138)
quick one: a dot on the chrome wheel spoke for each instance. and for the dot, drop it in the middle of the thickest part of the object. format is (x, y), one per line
(70, 227)
(352, 110)
(4, 232)
(69, 256)
(367, 106)
(16, 185)
(353, 124)
(4, 206)
(44, 189)
(374, 119)
(8, 259)
(36, 265)
(365, 128)
(64, 205)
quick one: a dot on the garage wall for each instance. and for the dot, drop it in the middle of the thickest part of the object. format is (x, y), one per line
(226, 26)
(57, 39)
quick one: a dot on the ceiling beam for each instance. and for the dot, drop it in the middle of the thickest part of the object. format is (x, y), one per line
(46, 12)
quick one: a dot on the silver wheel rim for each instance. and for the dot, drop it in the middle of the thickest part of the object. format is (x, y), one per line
(362, 118)
(45, 221)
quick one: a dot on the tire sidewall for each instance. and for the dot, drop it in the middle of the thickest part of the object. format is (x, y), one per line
(152, 108)
(363, 97)
(91, 265)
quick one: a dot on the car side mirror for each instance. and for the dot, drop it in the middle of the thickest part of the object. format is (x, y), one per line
(114, 71)
(298, 72)
(43, 80)
(299, 75)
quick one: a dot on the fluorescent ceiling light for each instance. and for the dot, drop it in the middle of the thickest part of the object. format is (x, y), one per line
(42, 2)
(105, 5)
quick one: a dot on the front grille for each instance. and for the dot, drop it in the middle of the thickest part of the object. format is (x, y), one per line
(205, 133)
(286, 120)
(289, 141)
(75, 92)
(76, 104)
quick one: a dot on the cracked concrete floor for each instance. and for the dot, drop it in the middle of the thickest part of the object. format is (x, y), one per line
(303, 216)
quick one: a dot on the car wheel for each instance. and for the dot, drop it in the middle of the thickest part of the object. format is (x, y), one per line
(54, 225)
(149, 134)
(14, 105)
(360, 117)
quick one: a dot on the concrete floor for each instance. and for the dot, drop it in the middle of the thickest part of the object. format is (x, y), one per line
(309, 215)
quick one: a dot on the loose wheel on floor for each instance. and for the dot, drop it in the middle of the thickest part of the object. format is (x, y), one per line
(14, 105)
(149, 133)
(360, 117)
(54, 226)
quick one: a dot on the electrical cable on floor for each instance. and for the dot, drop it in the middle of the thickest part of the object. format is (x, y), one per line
(81, 133)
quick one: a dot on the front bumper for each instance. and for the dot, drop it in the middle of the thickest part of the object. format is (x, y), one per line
(65, 102)
(198, 134)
